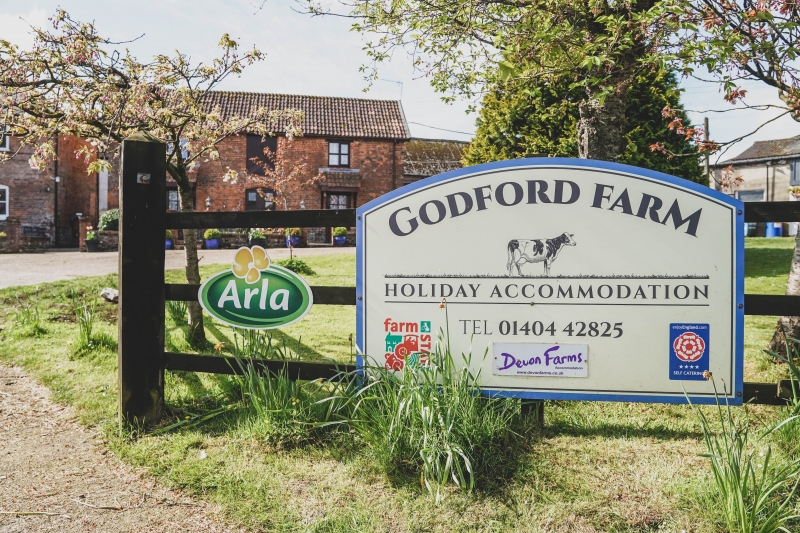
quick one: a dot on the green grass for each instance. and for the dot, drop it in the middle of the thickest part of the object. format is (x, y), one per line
(605, 467)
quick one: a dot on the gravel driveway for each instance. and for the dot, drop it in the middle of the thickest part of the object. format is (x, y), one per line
(30, 269)
(57, 477)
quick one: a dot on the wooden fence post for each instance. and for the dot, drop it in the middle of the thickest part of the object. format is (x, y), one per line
(142, 220)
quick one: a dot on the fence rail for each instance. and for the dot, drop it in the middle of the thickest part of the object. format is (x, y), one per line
(143, 220)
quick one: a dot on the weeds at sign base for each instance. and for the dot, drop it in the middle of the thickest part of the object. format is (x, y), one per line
(435, 421)
(754, 493)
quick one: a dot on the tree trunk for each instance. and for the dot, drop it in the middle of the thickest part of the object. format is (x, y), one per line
(789, 325)
(601, 128)
(198, 333)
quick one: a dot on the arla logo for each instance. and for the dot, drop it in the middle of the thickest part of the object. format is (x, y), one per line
(255, 294)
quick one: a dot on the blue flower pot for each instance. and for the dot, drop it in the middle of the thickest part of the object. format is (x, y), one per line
(168, 244)
(340, 240)
(212, 244)
(293, 241)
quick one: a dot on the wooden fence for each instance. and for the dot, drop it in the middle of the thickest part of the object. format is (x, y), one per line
(143, 222)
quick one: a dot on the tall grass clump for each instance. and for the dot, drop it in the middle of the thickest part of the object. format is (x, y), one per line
(434, 422)
(788, 435)
(286, 412)
(88, 340)
(755, 493)
(177, 311)
(258, 344)
(27, 320)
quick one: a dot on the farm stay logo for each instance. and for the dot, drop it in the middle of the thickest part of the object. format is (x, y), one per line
(254, 293)
(407, 343)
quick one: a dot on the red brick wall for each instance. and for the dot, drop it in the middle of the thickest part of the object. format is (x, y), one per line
(378, 172)
(29, 199)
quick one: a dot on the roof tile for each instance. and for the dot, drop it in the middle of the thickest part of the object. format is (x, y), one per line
(324, 115)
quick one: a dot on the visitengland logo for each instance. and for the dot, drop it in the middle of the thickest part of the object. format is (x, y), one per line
(407, 343)
(689, 345)
(254, 293)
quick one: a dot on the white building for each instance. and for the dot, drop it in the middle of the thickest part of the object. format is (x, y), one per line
(768, 170)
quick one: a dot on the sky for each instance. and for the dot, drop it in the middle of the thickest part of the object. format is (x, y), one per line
(321, 56)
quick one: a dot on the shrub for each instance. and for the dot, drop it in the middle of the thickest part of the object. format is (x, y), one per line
(90, 234)
(297, 266)
(211, 234)
(293, 232)
(168, 235)
(340, 232)
(109, 221)
(257, 233)
(3, 235)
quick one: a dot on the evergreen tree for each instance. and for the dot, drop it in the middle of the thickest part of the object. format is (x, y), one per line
(518, 121)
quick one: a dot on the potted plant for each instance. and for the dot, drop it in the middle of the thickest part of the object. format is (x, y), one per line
(339, 236)
(293, 237)
(168, 240)
(211, 237)
(258, 237)
(92, 243)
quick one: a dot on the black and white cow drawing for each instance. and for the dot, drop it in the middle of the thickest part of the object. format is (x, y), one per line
(536, 251)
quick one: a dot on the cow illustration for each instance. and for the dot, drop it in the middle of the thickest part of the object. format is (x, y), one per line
(536, 251)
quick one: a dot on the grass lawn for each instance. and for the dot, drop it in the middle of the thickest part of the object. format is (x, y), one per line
(595, 467)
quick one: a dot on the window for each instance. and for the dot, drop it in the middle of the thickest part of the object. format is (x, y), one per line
(338, 154)
(255, 151)
(259, 200)
(340, 200)
(794, 169)
(3, 202)
(751, 196)
(5, 142)
(172, 200)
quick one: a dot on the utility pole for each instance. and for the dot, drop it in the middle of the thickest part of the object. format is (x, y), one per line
(705, 137)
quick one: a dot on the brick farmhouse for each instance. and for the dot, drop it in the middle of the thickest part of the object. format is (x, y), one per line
(356, 145)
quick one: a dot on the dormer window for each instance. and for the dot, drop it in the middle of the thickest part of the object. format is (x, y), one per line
(338, 154)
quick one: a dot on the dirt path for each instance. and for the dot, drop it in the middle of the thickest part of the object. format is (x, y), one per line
(51, 464)
(30, 269)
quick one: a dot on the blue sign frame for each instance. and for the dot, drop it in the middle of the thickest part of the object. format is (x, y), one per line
(735, 397)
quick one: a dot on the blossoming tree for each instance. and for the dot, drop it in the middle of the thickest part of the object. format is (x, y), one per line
(730, 41)
(73, 81)
(465, 46)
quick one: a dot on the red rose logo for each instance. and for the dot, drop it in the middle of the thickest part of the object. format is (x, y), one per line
(689, 347)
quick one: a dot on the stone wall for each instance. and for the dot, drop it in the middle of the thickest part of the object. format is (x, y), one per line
(15, 242)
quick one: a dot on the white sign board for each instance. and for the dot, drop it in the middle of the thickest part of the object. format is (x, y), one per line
(641, 270)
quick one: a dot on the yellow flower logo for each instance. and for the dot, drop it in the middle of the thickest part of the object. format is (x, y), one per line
(249, 262)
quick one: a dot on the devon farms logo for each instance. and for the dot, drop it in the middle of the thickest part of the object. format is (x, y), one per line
(255, 294)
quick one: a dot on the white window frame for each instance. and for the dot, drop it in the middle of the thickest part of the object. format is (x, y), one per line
(5, 143)
(763, 194)
(5, 188)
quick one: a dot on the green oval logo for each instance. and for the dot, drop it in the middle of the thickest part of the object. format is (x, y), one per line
(255, 294)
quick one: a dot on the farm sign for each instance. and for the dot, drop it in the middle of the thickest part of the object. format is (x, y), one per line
(254, 293)
(565, 278)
